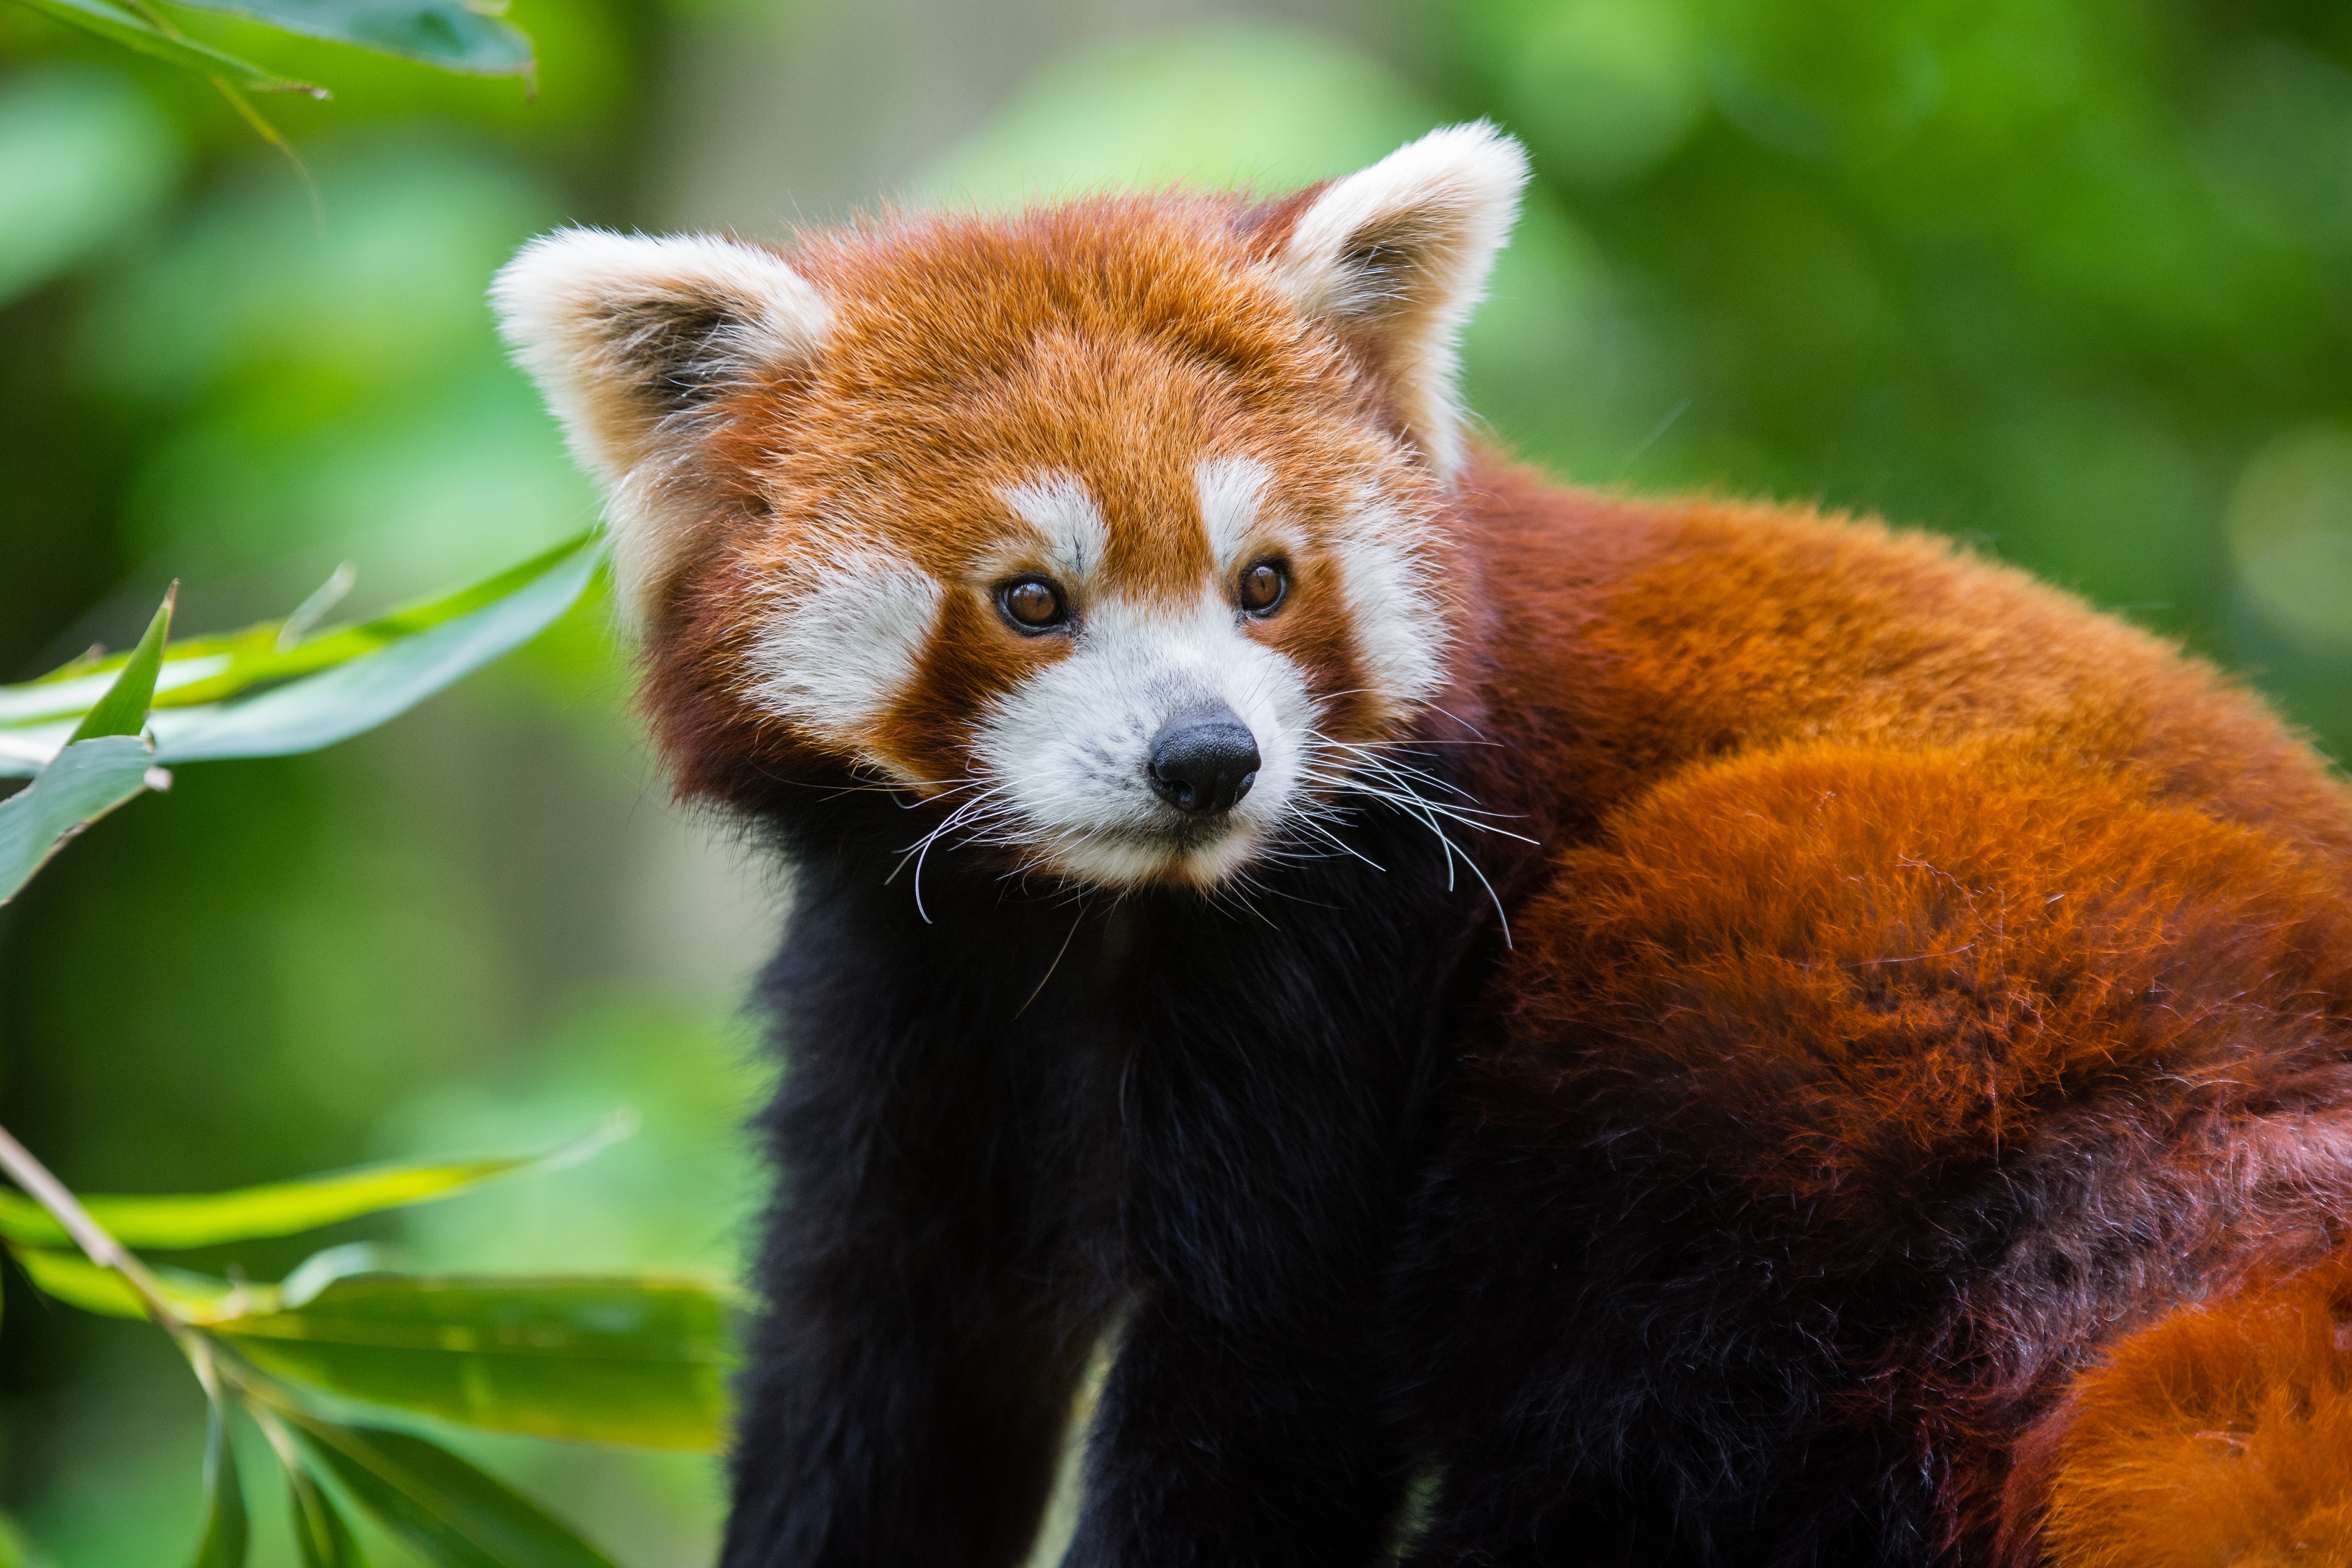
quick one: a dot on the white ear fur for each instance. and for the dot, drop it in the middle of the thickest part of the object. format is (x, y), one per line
(1401, 249)
(630, 339)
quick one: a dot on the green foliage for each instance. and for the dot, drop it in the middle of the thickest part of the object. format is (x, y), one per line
(86, 780)
(16, 1552)
(286, 1208)
(620, 1360)
(459, 36)
(83, 155)
(321, 1539)
(611, 1360)
(160, 41)
(451, 35)
(452, 1514)
(342, 682)
(121, 707)
(223, 1540)
(101, 763)
(640, 1362)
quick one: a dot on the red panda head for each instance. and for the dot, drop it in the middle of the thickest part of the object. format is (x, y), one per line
(1111, 527)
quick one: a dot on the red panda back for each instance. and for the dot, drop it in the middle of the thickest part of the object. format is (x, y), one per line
(1627, 640)
(1907, 921)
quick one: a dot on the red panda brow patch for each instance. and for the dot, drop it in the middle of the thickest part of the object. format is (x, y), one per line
(1232, 492)
(1067, 519)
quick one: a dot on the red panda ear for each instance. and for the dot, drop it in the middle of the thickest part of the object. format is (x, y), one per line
(633, 341)
(1399, 253)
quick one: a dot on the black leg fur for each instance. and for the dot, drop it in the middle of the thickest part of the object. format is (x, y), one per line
(1000, 1127)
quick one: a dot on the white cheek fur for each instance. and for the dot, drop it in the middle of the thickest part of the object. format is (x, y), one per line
(835, 653)
(1065, 752)
(1399, 638)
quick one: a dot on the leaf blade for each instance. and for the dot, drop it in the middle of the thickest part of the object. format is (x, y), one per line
(448, 34)
(638, 1362)
(70, 1277)
(321, 1537)
(226, 1533)
(445, 1509)
(355, 696)
(87, 780)
(206, 668)
(118, 26)
(287, 1209)
(122, 711)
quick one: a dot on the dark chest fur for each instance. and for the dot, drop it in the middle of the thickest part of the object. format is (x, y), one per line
(1140, 1088)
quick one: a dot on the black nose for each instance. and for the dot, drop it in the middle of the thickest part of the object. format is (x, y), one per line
(1203, 761)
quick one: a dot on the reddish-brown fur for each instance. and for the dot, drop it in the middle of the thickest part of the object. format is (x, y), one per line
(2221, 1434)
(1943, 850)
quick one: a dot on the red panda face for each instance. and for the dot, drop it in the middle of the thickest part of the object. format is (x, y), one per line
(1111, 530)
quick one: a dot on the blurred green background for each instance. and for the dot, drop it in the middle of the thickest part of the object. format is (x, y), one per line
(2072, 278)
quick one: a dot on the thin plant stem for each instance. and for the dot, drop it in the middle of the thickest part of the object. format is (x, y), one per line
(96, 1242)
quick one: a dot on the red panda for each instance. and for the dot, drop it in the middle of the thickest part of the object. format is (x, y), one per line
(1696, 1033)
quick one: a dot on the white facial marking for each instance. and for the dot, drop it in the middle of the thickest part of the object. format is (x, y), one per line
(840, 647)
(1065, 514)
(1067, 750)
(1399, 634)
(1231, 490)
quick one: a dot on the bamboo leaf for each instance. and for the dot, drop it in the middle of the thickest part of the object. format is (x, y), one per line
(341, 682)
(70, 1277)
(224, 1540)
(286, 1208)
(122, 711)
(207, 669)
(119, 26)
(442, 1508)
(642, 1361)
(321, 1538)
(449, 34)
(88, 779)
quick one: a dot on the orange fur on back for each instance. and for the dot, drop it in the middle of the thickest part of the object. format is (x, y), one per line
(2222, 1435)
(1890, 878)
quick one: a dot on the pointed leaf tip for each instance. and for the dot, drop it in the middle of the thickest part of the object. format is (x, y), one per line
(123, 710)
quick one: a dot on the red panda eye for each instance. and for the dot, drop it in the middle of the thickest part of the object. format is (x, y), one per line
(1032, 605)
(1263, 587)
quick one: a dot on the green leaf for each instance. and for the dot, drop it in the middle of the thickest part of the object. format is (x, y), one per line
(199, 1297)
(123, 710)
(442, 1508)
(284, 1208)
(223, 1544)
(208, 668)
(118, 26)
(449, 34)
(321, 1539)
(350, 680)
(88, 779)
(635, 1361)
